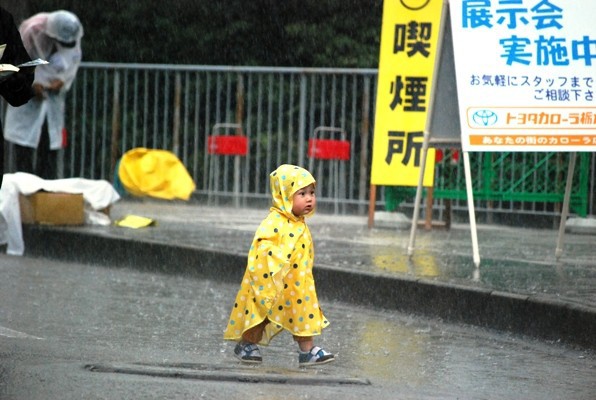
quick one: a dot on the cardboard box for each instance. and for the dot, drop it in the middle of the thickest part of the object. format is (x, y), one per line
(52, 208)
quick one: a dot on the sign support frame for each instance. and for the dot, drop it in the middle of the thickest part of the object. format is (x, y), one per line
(566, 201)
(429, 140)
(444, 142)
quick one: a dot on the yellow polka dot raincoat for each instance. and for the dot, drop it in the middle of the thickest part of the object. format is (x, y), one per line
(278, 283)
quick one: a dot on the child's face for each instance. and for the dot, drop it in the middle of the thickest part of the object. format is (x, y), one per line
(304, 201)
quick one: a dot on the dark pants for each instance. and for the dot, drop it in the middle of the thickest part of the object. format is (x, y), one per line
(1, 154)
(46, 163)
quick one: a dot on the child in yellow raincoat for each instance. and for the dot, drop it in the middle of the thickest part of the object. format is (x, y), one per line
(278, 288)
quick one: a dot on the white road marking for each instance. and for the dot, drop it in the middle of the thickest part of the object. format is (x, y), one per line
(16, 334)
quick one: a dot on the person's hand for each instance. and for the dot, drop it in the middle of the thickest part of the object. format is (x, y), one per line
(55, 85)
(39, 91)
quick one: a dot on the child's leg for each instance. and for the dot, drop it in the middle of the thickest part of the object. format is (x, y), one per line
(247, 350)
(255, 334)
(304, 342)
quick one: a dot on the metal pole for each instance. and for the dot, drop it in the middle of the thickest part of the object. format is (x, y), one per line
(115, 153)
(565, 211)
(302, 119)
(470, 196)
(364, 136)
(371, 206)
(176, 122)
(418, 196)
(427, 134)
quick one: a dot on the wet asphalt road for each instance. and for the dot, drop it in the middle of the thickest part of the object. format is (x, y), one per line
(72, 331)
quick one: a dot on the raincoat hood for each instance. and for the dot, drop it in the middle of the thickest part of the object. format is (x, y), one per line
(64, 26)
(284, 182)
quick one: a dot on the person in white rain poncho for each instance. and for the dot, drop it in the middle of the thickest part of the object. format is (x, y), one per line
(56, 38)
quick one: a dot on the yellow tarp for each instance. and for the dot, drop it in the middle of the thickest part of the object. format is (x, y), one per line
(155, 173)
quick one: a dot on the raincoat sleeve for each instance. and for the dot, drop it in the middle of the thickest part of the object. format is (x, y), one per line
(35, 41)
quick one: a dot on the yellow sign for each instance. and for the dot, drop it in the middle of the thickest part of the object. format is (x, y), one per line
(409, 38)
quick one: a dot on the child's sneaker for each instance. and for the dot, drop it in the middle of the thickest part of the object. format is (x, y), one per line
(248, 353)
(316, 356)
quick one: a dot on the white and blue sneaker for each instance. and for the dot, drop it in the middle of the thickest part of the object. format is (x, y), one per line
(316, 356)
(248, 353)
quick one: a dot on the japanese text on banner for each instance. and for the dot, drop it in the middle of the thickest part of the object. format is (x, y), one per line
(529, 85)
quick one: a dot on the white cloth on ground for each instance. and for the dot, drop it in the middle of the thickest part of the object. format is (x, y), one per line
(98, 194)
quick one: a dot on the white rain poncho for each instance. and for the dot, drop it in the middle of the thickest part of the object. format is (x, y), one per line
(44, 35)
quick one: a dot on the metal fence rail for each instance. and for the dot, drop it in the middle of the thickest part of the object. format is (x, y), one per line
(522, 183)
(113, 108)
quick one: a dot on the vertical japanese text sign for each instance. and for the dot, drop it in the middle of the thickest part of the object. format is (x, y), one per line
(525, 74)
(409, 38)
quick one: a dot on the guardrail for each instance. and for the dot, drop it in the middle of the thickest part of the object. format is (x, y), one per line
(115, 107)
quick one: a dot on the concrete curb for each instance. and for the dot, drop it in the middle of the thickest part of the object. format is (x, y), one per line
(538, 316)
(584, 226)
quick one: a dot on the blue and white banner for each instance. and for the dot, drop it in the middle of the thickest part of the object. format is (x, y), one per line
(526, 73)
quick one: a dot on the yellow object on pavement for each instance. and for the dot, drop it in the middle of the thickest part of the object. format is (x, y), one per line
(155, 173)
(135, 222)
